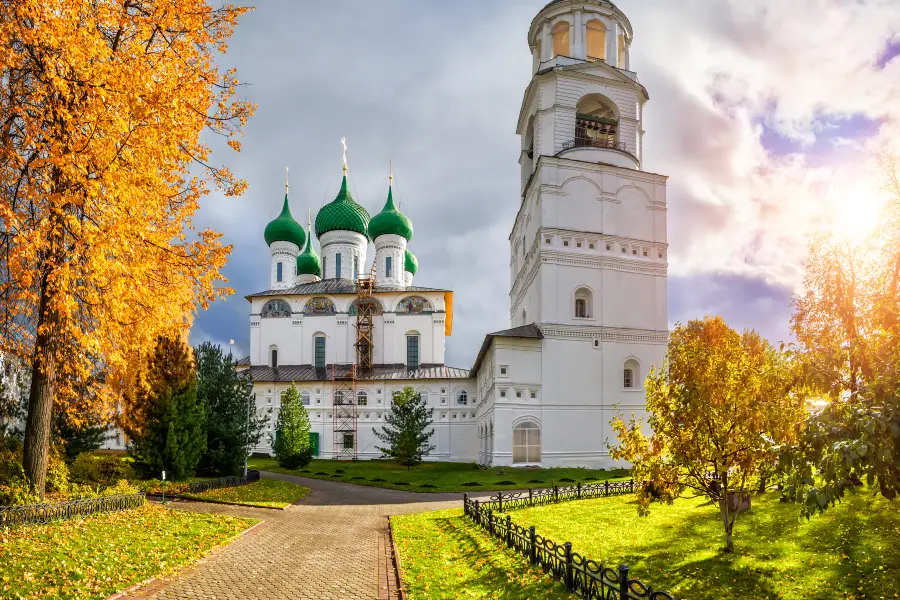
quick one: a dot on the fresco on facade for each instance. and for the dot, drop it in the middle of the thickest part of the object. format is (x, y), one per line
(319, 306)
(414, 304)
(276, 308)
(377, 311)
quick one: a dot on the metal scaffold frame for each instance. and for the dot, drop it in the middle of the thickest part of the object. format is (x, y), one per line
(365, 321)
(344, 416)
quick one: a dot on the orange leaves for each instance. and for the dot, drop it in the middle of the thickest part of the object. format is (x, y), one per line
(102, 153)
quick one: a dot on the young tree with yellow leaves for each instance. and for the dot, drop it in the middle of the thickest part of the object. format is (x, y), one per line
(102, 168)
(718, 407)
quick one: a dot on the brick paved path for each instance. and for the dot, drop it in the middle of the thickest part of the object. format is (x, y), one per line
(325, 548)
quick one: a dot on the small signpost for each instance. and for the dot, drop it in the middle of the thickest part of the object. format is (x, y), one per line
(163, 487)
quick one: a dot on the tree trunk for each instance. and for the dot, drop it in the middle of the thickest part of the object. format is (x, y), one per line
(726, 523)
(37, 426)
(36, 452)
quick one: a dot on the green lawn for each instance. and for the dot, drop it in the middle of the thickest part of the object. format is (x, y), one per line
(94, 557)
(852, 551)
(444, 557)
(438, 476)
(265, 492)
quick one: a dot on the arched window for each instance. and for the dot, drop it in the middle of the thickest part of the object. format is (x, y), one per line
(630, 374)
(319, 351)
(526, 443)
(560, 35)
(273, 357)
(595, 36)
(583, 303)
(412, 350)
(362, 399)
(279, 272)
(423, 394)
(275, 308)
(304, 398)
(462, 398)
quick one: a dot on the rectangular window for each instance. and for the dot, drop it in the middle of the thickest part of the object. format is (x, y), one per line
(355, 267)
(320, 352)
(279, 277)
(387, 266)
(348, 441)
(412, 352)
(503, 369)
(337, 265)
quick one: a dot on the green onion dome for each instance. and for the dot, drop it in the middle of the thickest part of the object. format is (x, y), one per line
(308, 261)
(285, 229)
(411, 263)
(342, 214)
(390, 221)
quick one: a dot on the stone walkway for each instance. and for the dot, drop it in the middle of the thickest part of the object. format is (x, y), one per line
(325, 548)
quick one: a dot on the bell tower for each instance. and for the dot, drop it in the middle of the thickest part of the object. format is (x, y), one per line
(588, 248)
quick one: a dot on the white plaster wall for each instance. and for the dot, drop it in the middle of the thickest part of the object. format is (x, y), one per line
(286, 254)
(395, 247)
(349, 244)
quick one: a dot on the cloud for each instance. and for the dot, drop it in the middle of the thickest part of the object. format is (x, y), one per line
(763, 113)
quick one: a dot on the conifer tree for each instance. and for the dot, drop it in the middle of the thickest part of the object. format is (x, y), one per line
(291, 440)
(406, 431)
(170, 432)
(232, 424)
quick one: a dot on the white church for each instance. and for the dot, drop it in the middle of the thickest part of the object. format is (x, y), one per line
(587, 295)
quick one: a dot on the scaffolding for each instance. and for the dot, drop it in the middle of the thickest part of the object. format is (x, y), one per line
(344, 416)
(365, 321)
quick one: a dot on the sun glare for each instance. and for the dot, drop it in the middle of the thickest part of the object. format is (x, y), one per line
(854, 210)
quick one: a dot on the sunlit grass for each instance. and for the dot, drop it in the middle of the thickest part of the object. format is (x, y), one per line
(444, 557)
(265, 492)
(852, 551)
(94, 557)
(439, 476)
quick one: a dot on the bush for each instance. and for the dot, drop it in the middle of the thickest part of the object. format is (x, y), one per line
(100, 468)
(14, 486)
(295, 461)
(57, 472)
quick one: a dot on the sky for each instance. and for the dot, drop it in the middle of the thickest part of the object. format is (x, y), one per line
(769, 117)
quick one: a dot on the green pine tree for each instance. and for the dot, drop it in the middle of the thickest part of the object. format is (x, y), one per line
(170, 434)
(291, 443)
(406, 431)
(232, 425)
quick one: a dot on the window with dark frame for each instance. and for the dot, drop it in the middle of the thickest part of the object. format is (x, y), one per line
(412, 352)
(320, 352)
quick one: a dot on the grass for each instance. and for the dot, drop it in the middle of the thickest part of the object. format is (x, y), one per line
(849, 552)
(265, 492)
(94, 557)
(444, 557)
(438, 476)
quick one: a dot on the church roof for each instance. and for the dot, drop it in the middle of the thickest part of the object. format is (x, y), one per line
(298, 373)
(531, 331)
(342, 214)
(390, 221)
(411, 264)
(284, 228)
(308, 261)
(337, 286)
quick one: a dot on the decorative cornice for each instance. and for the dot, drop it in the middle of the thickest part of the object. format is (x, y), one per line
(605, 334)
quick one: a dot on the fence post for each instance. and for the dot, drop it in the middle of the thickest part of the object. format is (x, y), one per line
(466, 503)
(607, 487)
(530, 497)
(477, 516)
(491, 522)
(555, 493)
(570, 580)
(623, 582)
(632, 485)
(533, 553)
(578, 485)
(499, 502)
(509, 535)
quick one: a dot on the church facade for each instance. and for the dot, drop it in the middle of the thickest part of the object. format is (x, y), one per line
(588, 272)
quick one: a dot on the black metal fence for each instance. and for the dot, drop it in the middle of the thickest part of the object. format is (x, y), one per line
(587, 578)
(40, 514)
(198, 487)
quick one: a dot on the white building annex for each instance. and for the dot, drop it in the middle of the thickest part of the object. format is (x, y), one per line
(587, 295)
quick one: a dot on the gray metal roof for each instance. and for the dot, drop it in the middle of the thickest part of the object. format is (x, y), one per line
(337, 286)
(531, 331)
(297, 373)
(243, 362)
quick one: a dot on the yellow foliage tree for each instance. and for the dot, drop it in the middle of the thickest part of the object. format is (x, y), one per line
(102, 166)
(719, 406)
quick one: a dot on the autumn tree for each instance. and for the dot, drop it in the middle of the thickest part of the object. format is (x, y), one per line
(172, 432)
(102, 168)
(232, 424)
(407, 431)
(718, 407)
(847, 326)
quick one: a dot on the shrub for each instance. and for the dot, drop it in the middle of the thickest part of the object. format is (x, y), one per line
(57, 472)
(14, 486)
(121, 487)
(401, 483)
(505, 482)
(291, 436)
(295, 461)
(567, 480)
(101, 468)
(470, 484)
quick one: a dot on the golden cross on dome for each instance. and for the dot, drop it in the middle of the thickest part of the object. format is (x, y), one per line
(344, 144)
(287, 185)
